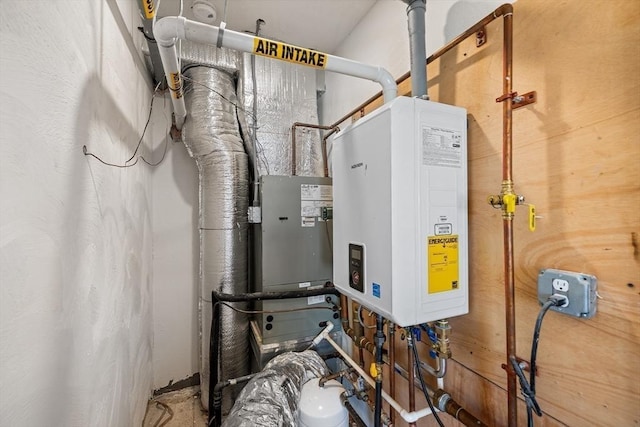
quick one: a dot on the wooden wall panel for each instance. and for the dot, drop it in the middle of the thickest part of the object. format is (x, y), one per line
(577, 158)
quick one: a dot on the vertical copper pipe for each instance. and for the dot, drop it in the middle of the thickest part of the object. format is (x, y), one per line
(325, 160)
(293, 144)
(507, 179)
(392, 367)
(344, 312)
(358, 331)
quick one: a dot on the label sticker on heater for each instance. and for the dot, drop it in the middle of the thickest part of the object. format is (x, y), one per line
(314, 197)
(442, 263)
(441, 147)
(375, 288)
(315, 300)
(308, 221)
(315, 192)
(314, 207)
(443, 229)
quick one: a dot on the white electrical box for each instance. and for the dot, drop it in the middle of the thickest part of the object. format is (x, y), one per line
(400, 240)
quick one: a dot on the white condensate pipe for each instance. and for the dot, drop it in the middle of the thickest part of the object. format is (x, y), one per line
(168, 29)
(410, 417)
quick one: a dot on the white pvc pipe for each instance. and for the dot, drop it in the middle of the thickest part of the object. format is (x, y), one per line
(410, 417)
(168, 29)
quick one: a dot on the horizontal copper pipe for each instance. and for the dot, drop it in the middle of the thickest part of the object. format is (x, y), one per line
(500, 11)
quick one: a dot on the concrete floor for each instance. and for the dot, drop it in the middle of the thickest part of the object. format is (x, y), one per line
(182, 409)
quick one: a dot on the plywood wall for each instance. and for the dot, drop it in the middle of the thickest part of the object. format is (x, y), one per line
(577, 158)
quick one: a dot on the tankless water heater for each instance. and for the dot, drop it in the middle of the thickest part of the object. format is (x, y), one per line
(400, 240)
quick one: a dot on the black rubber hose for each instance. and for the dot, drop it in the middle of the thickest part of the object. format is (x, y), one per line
(379, 339)
(416, 360)
(217, 396)
(215, 414)
(260, 296)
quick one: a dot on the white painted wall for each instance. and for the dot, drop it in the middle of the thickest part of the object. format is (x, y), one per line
(175, 268)
(381, 38)
(75, 235)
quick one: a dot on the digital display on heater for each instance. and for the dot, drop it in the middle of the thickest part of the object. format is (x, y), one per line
(355, 254)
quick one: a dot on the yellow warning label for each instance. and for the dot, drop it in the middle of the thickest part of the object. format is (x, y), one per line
(175, 85)
(289, 53)
(149, 8)
(442, 263)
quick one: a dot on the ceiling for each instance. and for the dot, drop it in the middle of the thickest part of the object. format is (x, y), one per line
(316, 24)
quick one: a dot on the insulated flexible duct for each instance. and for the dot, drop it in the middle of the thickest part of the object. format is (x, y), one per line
(212, 137)
(272, 397)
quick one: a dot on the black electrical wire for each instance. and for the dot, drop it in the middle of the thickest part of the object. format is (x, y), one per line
(150, 39)
(416, 360)
(126, 164)
(528, 388)
(235, 104)
(379, 341)
(536, 338)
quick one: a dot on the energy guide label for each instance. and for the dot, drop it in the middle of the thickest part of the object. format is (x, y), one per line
(441, 147)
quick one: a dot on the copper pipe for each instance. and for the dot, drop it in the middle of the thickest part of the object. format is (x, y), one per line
(392, 366)
(451, 407)
(325, 160)
(358, 331)
(356, 334)
(507, 179)
(344, 311)
(500, 11)
(293, 144)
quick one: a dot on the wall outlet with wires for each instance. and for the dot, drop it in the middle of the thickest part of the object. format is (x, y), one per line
(579, 289)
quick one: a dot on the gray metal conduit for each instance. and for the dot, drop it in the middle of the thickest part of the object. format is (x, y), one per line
(416, 10)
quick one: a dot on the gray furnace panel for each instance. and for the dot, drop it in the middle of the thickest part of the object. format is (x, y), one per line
(293, 251)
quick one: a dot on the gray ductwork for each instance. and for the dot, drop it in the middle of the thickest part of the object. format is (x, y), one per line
(212, 137)
(416, 10)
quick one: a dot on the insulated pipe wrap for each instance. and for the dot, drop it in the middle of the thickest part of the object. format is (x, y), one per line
(212, 137)
(228, 60)
(272, 397)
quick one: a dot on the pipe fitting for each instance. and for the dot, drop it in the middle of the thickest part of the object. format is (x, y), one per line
(442, 329)
(166, 30)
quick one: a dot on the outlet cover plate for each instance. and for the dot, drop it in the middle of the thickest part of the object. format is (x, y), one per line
(579, 288)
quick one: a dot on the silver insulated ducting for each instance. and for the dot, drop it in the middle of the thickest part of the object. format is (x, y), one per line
(272, 397)
(212, 137)
(285, 93)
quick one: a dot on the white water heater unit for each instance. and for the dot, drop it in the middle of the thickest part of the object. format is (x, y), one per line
(400, 240)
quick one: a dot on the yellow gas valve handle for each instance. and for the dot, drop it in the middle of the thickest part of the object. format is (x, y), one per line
(509, 202)
(373, 370)
(532, 218)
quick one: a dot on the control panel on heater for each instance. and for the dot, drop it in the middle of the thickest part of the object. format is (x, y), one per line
(356, 267)
(400, 240)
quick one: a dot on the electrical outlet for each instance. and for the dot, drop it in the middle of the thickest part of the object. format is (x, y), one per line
(580, 290)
